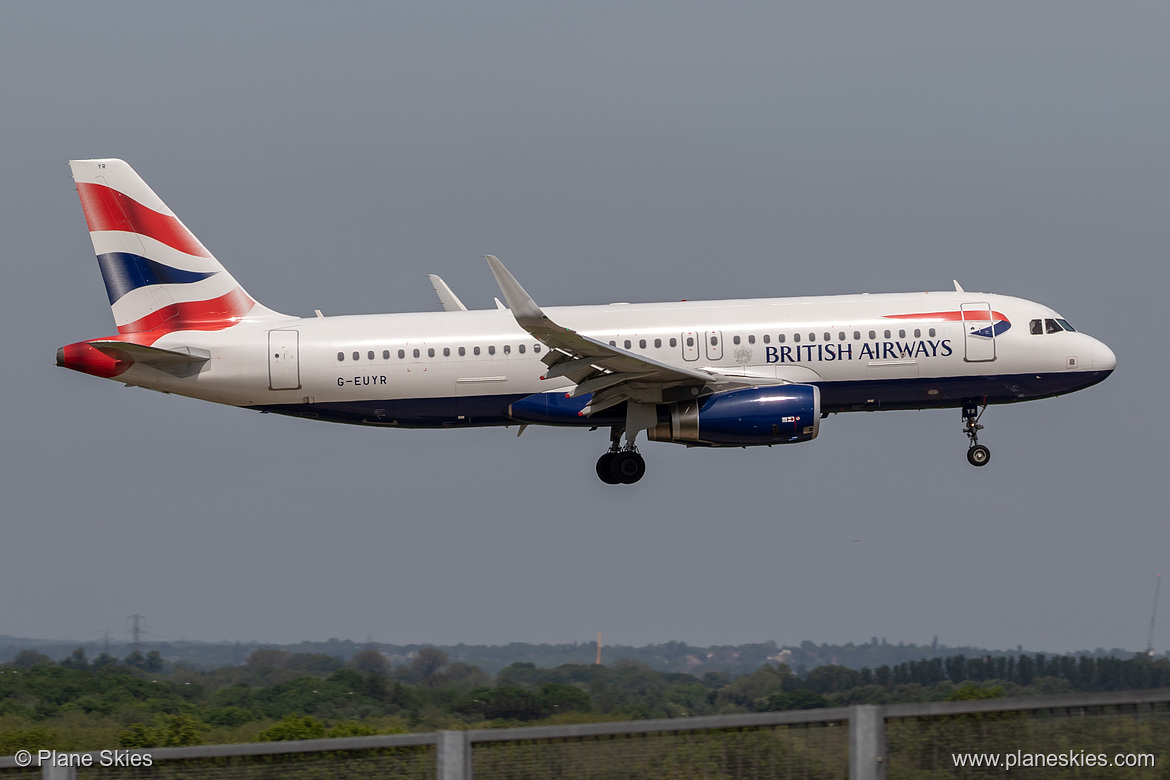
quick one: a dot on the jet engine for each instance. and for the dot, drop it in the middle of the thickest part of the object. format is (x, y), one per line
(776, 414)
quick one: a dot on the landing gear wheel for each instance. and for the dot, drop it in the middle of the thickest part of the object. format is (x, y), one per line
(978, 455)
(627, 467)
(605, 468)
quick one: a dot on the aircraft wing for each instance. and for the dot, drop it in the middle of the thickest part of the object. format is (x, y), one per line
(611, 374)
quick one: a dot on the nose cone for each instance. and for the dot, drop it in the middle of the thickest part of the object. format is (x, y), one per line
(1103, 357)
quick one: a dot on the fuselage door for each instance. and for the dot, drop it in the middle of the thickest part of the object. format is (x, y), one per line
(690, 345)
(978, 332)
(284, 372)
(714, 341)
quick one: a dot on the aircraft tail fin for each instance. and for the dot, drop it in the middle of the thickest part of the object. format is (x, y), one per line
(158, 275)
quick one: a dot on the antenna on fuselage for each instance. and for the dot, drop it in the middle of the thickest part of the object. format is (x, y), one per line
(958, 287)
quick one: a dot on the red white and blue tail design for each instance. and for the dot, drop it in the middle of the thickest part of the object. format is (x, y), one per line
(159, 277)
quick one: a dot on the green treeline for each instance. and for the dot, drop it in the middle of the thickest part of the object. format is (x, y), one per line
(140, 701)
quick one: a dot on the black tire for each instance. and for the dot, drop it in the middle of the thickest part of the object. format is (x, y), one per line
(978, 455)
(605, 468)
(628, 467)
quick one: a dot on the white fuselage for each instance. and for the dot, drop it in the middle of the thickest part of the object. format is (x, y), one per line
(864, 351)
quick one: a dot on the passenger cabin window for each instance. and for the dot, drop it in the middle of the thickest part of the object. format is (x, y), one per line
(767, 339)
(475, 350)
(536, 348)
(714, 341)
(613, 343)
(872, 335)
(887, 334)
(841, 336)
(780, 339)
(416, 353)
(507, 349)
(370, 355)
(401, 354)
(812, 337)
(357, 356)
(828, 336)
(492, 349)
(641, 343)
(657, 343)
(902, 334)
(446, 352)
(751, 339)
(462, 351)
(385, 354)
(795, 337)
(856, 335)
(918, 333)
(690, 341)
(735, 340)
(520, 349)
(931, 332)
(341, 356)
(430, 351)
(626, 343)
(1050, 326)
(674, 342)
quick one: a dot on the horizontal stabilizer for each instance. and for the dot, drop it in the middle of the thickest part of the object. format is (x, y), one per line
(180, 361)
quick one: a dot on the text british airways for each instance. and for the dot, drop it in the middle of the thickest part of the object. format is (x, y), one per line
(877, 350)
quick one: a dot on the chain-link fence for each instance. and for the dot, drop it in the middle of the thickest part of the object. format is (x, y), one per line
(1114, 735)
(816, 751)
(1121, 740)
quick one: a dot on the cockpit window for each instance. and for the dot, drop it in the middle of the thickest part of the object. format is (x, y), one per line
(1050, 326)
(1036, 327)
(1064, 324)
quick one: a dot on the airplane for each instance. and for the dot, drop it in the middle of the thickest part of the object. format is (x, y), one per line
(730, 373)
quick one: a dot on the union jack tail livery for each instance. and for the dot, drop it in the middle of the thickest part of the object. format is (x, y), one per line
(158, 276)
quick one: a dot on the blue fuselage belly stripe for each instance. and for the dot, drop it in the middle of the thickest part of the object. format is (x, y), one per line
(488, 410)
(123, 272)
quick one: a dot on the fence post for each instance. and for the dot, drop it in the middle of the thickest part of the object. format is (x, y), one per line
(454, 756)
(867, 743)
(50, 772)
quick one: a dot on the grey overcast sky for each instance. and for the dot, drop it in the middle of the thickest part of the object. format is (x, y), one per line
(332, 155)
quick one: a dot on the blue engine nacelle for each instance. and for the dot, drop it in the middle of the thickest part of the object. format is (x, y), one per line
(777, 414)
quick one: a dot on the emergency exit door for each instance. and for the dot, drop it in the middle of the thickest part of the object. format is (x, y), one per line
(284, 372)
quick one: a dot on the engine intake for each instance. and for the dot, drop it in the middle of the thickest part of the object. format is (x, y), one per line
(777, 414)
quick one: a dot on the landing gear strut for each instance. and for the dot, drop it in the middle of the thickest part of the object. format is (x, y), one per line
(977, 454)
(621, 465)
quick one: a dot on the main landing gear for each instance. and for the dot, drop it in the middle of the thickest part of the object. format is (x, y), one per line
(977, 454)
(621, 465)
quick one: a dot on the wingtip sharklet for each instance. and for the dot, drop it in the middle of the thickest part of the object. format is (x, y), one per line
(518, 299)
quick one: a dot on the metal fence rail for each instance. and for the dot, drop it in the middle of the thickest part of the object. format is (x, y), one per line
(894, 742)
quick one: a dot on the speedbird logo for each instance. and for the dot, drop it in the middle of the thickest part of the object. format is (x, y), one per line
(996, 322)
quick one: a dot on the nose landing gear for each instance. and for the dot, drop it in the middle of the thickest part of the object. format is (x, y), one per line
(977, 454)
(621, 465)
